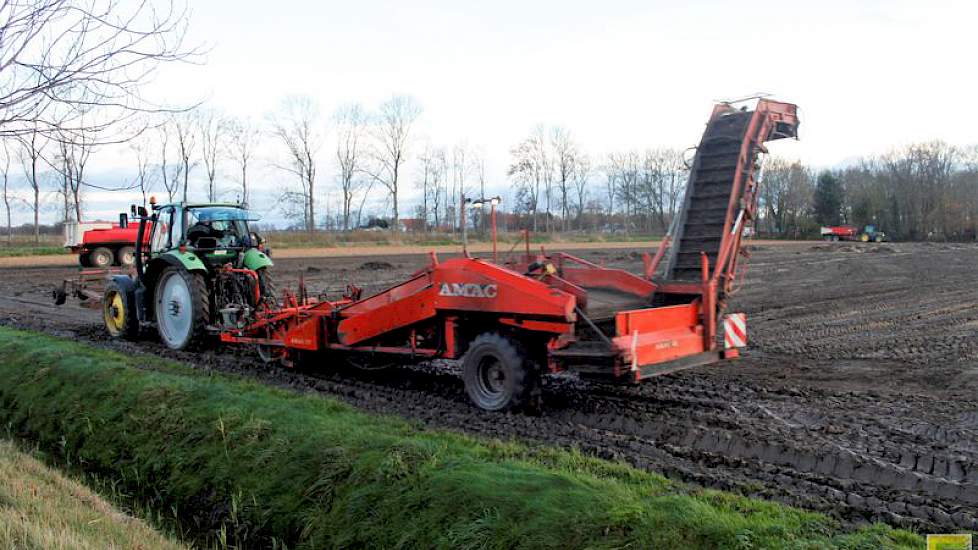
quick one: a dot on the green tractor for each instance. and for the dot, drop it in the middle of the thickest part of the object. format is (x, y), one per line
(202, 271)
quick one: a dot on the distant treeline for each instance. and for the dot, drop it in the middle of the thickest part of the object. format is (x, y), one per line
(925, 191)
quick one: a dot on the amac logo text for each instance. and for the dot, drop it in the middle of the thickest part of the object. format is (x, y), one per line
(469, 290)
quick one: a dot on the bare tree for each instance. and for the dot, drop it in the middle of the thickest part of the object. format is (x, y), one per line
(5, 167)
(351, 128)
(31, 150)
(145, 176)
(625, 169)
(60, 59)
(74, 151)
(531, 169)
(295, 125)
(565, 164)
(169, 174)
(184, 130)
(245, 137)
(581, 179)
(213, 127)
(459, 174)
(391, 148)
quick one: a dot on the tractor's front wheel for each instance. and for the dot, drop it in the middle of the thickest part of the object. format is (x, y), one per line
(119, 312)
(497, 374)
(182, 308)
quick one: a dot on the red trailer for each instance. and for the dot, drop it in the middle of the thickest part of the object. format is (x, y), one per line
(544, 313)
(101, 244)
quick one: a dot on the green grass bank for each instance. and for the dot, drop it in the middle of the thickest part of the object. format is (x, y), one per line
(40, 508)
(229, 461)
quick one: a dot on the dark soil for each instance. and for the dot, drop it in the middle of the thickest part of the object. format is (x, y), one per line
(857, 397)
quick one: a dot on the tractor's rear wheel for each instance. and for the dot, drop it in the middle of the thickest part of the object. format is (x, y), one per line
(126, 256)
(182, 308)
(101, 257)
(119, 312)
(497, 374)
(84, 259)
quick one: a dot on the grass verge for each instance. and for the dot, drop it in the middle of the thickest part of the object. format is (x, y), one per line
(231, 461)
(40, 508)
(21, 251)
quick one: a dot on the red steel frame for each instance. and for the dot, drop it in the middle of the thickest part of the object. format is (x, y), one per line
(544, 298)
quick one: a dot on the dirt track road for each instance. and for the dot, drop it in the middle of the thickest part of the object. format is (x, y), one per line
(858, 397)
(68, 260)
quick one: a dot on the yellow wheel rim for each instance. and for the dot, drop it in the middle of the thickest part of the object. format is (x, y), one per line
(115, 313)
(864, 238)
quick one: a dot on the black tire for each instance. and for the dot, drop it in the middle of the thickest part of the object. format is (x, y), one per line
(194, 336)
(84, 259)
(126, 256)
(119, 312)
(497, 374)
(101, 257)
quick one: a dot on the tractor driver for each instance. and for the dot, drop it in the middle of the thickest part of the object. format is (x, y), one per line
(221, 231)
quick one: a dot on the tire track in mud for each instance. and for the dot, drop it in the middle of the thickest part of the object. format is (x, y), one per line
(778, 425)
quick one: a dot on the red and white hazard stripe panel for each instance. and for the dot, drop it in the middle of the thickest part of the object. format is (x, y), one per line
(735, 330)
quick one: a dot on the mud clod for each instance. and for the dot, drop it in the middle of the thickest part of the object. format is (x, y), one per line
(375, 266)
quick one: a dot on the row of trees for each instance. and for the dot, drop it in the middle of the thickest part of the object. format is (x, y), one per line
(921, 191)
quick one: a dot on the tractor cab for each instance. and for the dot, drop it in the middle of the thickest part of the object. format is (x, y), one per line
(216, 233)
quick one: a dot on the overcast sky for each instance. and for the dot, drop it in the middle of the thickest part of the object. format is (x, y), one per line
(867, 75)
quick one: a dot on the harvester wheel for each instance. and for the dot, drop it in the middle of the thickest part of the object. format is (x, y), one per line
(182, 308)
(101, 257)
(497, 374)
(84, 259)
(119, 312)
(126, 256)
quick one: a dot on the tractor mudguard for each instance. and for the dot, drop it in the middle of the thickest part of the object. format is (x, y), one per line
(188, 260)
(255, 259)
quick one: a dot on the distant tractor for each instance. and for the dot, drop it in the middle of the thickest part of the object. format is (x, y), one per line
(201, 269)
(101, 244)
(868, 233)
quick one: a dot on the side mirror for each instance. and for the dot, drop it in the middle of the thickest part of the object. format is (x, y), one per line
(132, 210)
(141, 211)
(123, 220)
